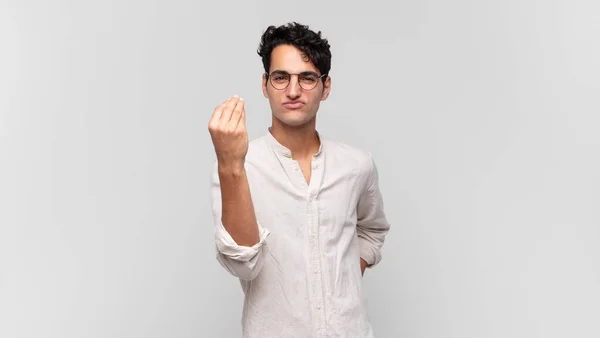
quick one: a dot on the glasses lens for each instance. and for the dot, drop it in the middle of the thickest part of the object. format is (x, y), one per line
(280, 80)
(308, 81)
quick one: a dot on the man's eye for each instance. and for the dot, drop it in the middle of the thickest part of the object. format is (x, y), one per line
(309, 79)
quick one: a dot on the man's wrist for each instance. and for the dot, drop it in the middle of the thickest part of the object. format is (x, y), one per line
(235, 169)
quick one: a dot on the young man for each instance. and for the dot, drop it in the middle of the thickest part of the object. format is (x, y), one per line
(298, 217)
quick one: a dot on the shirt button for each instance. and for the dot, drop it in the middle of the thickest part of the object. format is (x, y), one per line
(318, 307)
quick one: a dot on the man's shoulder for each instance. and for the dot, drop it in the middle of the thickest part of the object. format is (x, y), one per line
(346, 153)
(257, 147)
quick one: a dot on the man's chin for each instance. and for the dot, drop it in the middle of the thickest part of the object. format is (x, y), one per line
(293, 121)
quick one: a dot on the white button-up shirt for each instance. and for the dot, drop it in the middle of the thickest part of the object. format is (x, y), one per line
(303, 278)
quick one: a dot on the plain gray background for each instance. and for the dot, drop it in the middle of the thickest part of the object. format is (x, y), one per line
(483, 118)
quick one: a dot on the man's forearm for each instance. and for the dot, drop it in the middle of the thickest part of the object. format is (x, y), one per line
(238, 215)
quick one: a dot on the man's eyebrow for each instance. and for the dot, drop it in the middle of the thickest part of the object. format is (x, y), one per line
(306, 72)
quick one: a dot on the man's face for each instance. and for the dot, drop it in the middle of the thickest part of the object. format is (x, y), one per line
(294, 105)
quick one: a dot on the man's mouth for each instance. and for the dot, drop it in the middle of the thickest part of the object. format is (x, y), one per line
(293, 104)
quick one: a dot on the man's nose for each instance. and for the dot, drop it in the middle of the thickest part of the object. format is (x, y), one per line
(294, 90)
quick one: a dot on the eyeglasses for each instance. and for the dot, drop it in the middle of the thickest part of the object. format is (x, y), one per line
(281, 79)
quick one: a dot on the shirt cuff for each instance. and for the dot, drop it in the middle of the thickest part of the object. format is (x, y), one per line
(368, 253)
(228, 247)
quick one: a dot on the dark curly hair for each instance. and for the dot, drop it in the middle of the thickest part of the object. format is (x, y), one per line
(300, 36)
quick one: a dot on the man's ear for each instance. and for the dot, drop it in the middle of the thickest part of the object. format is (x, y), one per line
(264, 85)
(326, 88)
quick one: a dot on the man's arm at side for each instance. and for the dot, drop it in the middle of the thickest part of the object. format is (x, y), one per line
(372, 225)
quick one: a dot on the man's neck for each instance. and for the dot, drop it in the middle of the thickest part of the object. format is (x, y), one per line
(302, 141)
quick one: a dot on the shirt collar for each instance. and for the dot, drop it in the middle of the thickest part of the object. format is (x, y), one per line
(281, 149)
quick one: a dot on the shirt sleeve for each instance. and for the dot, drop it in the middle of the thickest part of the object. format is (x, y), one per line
(372, 225)
(241, 261)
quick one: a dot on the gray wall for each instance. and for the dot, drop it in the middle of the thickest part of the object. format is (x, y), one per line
(483, 117)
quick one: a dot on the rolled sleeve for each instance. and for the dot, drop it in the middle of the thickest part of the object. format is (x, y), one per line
(241, 261)
(372, 225)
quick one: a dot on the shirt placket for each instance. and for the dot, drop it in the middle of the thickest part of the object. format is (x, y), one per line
(315, 267)
(314, 255)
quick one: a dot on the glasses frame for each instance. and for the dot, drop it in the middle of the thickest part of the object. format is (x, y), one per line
(269, 76)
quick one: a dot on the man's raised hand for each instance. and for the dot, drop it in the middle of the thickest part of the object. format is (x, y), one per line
(227, 127)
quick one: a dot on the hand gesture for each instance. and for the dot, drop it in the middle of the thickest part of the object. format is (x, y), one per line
(227, 127)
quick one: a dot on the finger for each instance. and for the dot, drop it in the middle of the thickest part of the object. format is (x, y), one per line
(236, 110)
(228, 109)
(218, 112)
(216, 116)
(244, 116)
(241, 126)
(228, 99)
(237, 114)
